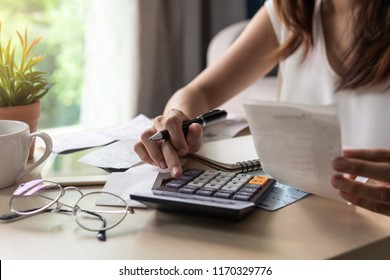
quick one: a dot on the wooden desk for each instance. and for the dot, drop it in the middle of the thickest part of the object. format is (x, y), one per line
(313, 228)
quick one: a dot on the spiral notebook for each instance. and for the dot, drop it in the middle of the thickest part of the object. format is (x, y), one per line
(234, 154)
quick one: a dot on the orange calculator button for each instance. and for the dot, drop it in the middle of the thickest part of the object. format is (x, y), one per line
(259, 180)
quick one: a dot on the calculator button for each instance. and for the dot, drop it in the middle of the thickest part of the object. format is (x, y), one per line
(248, 190)
(211, 173)
(253, 186)
(187, 190)
(219, 182)
(192, 172)
(197, 184)
(242, 197)
(240, 180)
(233, 183)
(225, 195)
(215, 185)
(176, 184)
(205, 192)
(202, 179)
(231, 188)
(259, 180)
(227, 175)
(241, 192)
(205, 178)
(179, 182)
(244, 176)
(226, 191)
(191, 187)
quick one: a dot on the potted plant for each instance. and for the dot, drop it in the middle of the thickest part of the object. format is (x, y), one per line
(21, 86)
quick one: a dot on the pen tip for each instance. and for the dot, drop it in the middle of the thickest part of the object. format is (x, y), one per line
(154, 137)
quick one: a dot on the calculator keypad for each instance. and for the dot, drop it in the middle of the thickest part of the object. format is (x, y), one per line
(219, 184)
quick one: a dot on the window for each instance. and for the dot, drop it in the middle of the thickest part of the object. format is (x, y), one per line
(88, 46)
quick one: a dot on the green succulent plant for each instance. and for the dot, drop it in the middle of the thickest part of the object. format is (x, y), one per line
(20, 84)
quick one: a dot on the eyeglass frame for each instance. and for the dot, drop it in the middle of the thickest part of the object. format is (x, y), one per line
(101, 232)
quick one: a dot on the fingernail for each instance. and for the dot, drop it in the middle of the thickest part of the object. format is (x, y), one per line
(175, 172)
(182, 152)
(339, 164)
(163, 165)
(336, 181)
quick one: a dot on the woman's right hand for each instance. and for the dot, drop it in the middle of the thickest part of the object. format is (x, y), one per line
(167, 153)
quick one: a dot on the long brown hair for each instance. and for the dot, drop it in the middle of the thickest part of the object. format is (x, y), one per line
(369, 54)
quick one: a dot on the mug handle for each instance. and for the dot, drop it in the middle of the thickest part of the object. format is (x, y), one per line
(48, 148)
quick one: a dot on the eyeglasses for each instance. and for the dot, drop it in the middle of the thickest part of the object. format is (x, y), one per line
(40, 196)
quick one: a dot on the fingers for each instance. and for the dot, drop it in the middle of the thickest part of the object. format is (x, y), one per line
(374, 196)
(171, 153)
(173, 123)
(167, 153)
(163, 154)
(194, 137)
(149, 151)
(379, 192)
(378, 155)
(377, 169)
(381, 208)
(171, 158)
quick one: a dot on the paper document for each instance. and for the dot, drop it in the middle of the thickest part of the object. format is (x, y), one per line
(142, 177)
(297, 143)
(122, 184)
(224, 129)
(281, 196)
(89, 139)
(133, 129)
(118, 155)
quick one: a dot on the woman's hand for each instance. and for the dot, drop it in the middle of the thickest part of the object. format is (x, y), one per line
(374, 164)
(167, 153)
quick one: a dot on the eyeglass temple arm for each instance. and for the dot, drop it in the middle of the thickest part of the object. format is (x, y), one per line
(10, 217)
(101, 235)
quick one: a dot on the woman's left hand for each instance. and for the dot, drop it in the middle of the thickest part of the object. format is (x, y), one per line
(374, 164)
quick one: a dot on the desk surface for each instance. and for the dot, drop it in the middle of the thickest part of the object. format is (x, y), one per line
(313, 228)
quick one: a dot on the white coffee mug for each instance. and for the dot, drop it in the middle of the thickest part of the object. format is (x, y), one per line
(15, 143)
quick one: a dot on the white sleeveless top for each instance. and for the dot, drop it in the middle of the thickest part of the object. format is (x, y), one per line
(364, 113)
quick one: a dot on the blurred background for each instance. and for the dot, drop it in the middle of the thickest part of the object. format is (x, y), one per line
(109, 60)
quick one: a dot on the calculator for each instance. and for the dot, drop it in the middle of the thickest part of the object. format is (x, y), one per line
(213, 193)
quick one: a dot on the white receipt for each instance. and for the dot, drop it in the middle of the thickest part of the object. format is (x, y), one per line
(119, 155)
(297, 143)
(122, 184)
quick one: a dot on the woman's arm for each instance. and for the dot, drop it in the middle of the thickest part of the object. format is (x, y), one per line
(250, 57)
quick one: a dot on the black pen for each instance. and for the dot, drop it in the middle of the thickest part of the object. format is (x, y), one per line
(205, 119)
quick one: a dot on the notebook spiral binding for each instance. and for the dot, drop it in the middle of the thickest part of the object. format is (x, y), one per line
(249, 165)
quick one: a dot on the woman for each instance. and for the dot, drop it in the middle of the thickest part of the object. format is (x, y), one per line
(329, 51)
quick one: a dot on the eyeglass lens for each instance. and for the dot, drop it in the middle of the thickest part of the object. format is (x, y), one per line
(92, 215)
(34, 197)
